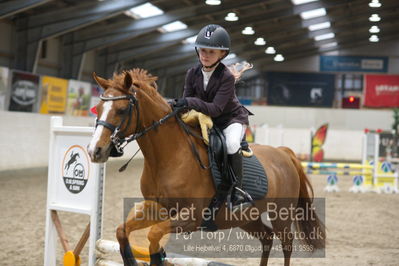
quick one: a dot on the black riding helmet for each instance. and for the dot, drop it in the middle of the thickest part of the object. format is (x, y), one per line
(214, 37)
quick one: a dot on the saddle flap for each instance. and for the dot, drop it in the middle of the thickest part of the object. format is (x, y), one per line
(217, 150)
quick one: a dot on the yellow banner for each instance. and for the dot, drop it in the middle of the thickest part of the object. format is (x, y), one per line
(54, 95)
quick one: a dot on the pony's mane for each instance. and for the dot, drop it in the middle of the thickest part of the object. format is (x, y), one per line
(140, 77)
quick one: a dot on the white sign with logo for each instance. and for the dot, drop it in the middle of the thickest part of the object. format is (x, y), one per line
(74, 183)
(75, 169)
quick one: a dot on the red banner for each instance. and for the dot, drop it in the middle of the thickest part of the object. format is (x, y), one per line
(381, 90)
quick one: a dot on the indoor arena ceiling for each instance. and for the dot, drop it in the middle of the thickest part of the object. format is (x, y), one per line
(124, 41)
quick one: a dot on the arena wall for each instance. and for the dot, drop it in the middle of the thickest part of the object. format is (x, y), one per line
(299, 117)
(25, 139)
(25, 136)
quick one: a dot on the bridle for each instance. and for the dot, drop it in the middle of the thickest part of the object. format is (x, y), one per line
(118, 137)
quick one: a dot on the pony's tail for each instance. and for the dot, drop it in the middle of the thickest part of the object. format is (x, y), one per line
(313, 228)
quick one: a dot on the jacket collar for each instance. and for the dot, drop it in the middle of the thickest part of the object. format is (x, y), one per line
(217, 73)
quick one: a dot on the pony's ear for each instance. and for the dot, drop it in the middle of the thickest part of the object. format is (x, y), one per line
(100, 81)
(128, 81)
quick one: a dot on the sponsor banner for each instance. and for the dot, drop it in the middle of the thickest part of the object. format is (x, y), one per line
(54, 95)
(354, 63)
(300, 89)
(381, 90)
(79, 94)
(24, 92)
(96, 91)
(3, 87)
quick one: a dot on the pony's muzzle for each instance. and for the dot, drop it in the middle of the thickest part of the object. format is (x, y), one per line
(96, 155)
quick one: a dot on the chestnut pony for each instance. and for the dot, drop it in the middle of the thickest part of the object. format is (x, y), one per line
(130, 105)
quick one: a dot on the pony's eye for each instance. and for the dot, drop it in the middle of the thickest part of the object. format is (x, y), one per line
(122, 111)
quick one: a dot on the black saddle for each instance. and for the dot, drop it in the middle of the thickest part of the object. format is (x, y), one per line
(254, 176)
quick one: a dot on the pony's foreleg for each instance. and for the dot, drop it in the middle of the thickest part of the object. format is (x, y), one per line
(159, 230)
(142, 215)
(264, 234)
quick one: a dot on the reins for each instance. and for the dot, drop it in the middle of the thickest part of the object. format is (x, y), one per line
(121, 142)
(193, 147)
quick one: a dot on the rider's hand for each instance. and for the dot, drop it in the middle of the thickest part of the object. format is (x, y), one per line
(181, 103)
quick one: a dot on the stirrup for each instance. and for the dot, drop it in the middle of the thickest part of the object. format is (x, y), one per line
(246, 203)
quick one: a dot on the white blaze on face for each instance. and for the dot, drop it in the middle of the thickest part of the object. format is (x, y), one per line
(107, 106)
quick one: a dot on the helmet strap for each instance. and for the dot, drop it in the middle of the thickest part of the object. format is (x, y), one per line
(213, 65)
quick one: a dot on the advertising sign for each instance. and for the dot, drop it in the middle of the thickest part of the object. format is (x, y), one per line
(54, 95)
(300, 89)
(334, 63)
(96, 91)
(24, 92)
(79, 94)
(381, 91)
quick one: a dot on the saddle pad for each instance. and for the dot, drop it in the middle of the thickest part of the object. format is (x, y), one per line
(254, 179)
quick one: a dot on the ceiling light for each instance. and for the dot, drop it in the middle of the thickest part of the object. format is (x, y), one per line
(231, 17)
(375, 3)
(314, 13)
(213, 2)
(248, 31)
(374, 18)
(374, 38)
(300, 2)
(190, 40)
(144, 11)
(324, 36)
(374, 29)
(174, 26)
(270, 50)
(279, 58)
(260, 41)
(328, 45)
(320, 26)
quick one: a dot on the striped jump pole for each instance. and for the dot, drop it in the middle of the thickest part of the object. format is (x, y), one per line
(336, 165)
(106, 247)
(362, 174)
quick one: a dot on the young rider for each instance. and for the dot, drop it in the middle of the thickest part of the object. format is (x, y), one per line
(209, 88)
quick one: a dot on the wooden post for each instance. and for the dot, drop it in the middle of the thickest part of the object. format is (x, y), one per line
(60, 231)
(82, 241)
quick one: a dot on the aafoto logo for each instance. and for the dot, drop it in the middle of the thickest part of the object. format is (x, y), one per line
(75, 169)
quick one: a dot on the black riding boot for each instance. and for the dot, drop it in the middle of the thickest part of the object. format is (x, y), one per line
(239, 199)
